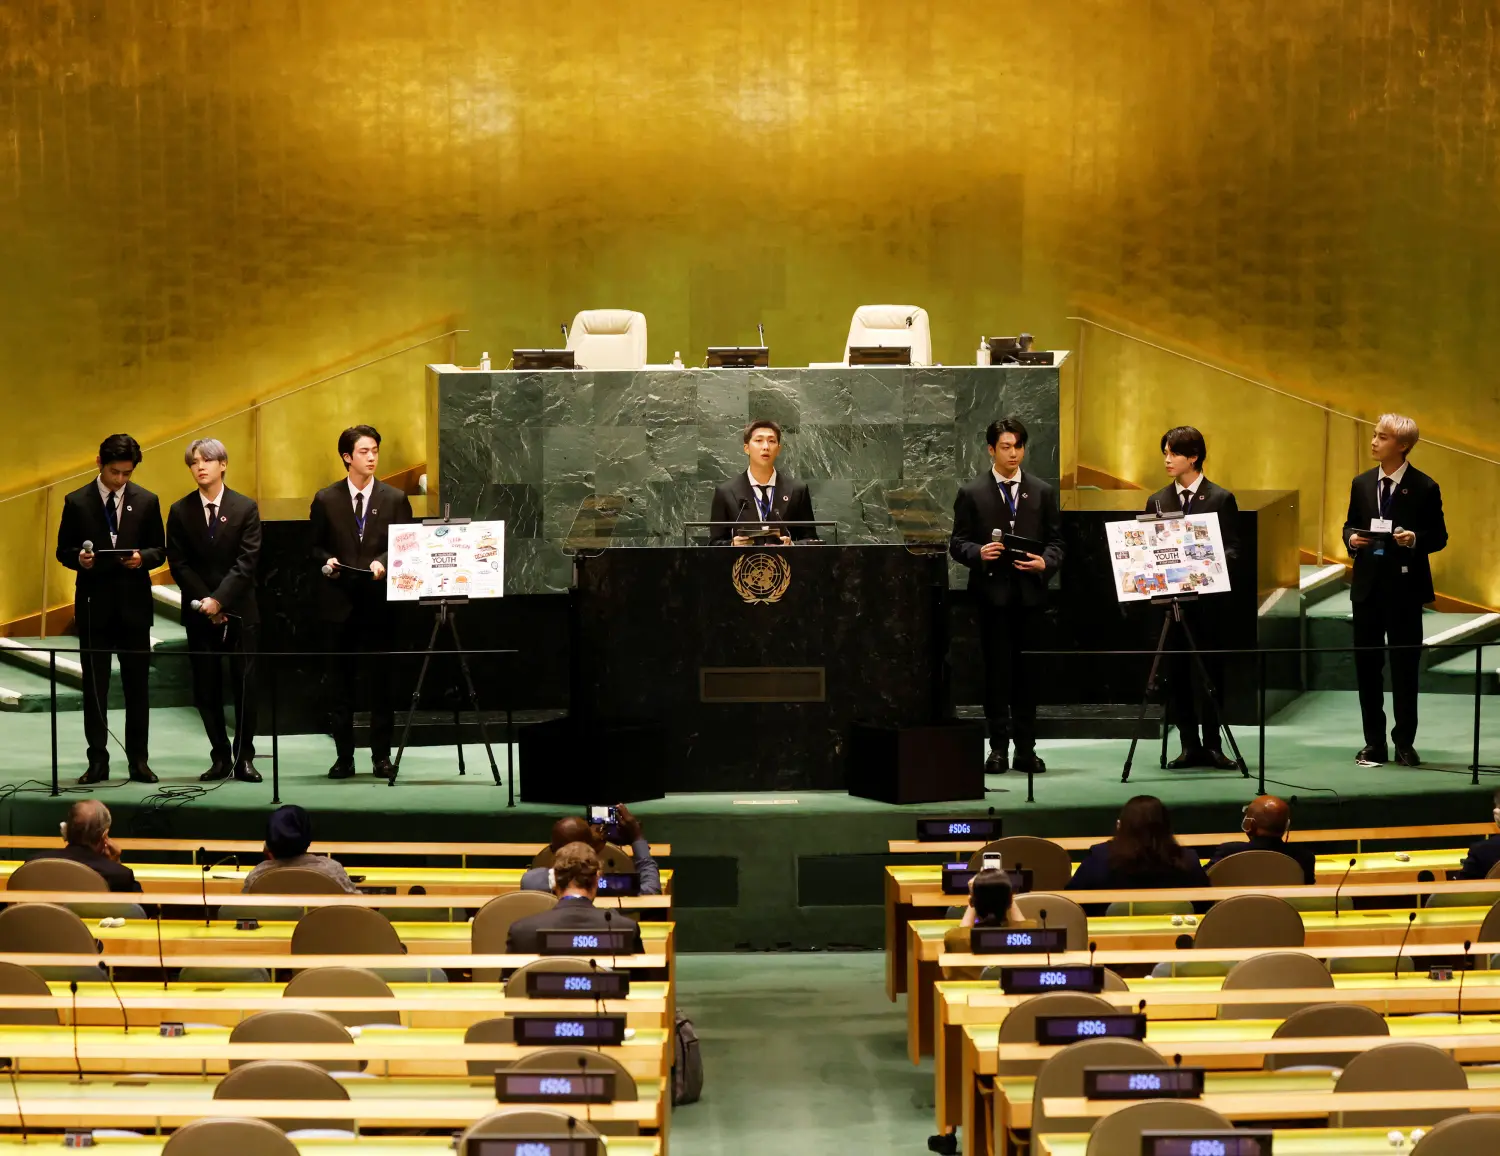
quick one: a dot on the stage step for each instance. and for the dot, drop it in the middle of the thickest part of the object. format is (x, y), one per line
(170, 682)
(1331, 623)
(25, 692)
(1086, 720)
(1320, 583)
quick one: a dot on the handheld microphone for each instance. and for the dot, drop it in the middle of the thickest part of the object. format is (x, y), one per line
(124, 1016)
(1467, 961)
(16, 1095)
(88, 547)
(197, 604)
(77, 1063)
(1410, 919)
(1340, 887)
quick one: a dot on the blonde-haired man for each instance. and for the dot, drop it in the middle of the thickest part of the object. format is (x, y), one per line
(1395, 521)
(575, 882)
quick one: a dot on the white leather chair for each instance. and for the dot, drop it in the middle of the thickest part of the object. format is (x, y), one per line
(892, 325)
(608, 339)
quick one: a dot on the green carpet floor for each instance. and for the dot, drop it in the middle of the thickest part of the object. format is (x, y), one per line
(802, 1054)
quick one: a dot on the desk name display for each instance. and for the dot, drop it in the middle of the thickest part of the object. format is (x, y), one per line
(611, 942)
(1035, 980)
(1017, 940)
(1128, 1083)
(533, 1146)
(578, 985)
(560, 1087)
(956, 878)
(1062, 1030)
(617, 883)
(1237, 1142)
(943, 830)
(601, 1030)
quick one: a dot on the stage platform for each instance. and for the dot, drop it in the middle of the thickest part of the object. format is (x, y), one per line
(760, 871)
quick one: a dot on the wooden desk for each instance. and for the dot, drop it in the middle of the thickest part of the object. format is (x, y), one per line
(1326, 934)
(1293, 1105)
(217, 848)
(1288, 1142)
(389, 1051)
(366, 1146)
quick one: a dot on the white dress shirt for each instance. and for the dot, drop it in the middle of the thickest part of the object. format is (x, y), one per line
(368, 492)
(1193, 489)
(104, 493)
(1395, 476)
(216, 502)
(755, 489)
(1015, 480)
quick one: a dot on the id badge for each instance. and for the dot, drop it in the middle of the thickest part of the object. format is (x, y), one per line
(1381, 525)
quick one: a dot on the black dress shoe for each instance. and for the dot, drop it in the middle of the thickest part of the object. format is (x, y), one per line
(1194, 757)
(141, 773)
(382, 769)
(245, 771)
(219, 769)
(1030, 765)
(997, 763)
(1408, 757)
(343, 769)
(96, 773)
(1371, 756)
(1218, 760)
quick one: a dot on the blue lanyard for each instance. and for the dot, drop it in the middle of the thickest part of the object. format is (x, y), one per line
(1009, 494)
(1387, 496)
(764, 499)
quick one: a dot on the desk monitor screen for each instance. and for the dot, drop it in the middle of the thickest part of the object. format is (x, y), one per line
(1143, 1083)
(880, 355)
(1035, 980)
(601, 1031)
(577, 985)
(738, 357)
(1017, 940)
(619, 883)
(956, 878)
(1051, 1030)
(556, 942)
(947, 830)
(533, 1146)
(562, 1087)
(542, 359)
(1236, 1142)
(1034, 357)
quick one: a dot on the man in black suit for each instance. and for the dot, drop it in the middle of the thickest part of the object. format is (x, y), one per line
(1267, 821)
(213, 547)
(1183, 454)
(111, 535)
(349, 523)
(1483, 855)
(1011, 596)
(86, 835)
(575, 875)
(760, 495)
(1395, 521)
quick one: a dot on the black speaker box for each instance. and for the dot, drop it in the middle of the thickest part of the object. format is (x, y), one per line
(593, 761)
(937, 763)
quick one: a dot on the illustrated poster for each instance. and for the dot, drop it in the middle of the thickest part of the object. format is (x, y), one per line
(1170, 556)
(462, 560)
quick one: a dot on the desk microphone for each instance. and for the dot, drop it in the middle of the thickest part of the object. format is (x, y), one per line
(1093, 947)
(1410, 919)
(761, 329)
(125, 1018)
(77, 1063)
(564, 328)
(1467, 961)
(1157, 502)
(1042, 915)
(161, 959)
(203, 878)
(16, 1094)
(1340, 887)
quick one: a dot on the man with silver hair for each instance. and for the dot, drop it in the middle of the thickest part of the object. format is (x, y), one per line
(1395, 522)
(213, 548)
(85, 834)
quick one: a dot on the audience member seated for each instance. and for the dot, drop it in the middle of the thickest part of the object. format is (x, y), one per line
(86, 833)
(1267, 821)
(1484, 855)
(576, 875)
(288, 836)
(1143, 854)
(991, 904)
(577, 830)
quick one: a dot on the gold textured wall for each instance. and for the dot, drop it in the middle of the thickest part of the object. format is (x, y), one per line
(202, 199)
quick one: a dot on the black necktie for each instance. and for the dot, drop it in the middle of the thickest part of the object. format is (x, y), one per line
(1385, 497)
(763, 502)
(1187, 500)
(1009, 490)
(110, 516)
(359, 514)
(213, 520)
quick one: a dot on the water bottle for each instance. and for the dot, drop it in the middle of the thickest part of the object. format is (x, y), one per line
(983, 356)
(484, 361)
(677, 359)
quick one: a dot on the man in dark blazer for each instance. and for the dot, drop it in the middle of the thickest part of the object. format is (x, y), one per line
(575, 874)
(86, 835)
(1395, 522)
(349, 524)
(1483, 855)
(213, 548)
(761, 495)
(1011, 595)
(1183, 452)
(1266, 823)
(120, 524)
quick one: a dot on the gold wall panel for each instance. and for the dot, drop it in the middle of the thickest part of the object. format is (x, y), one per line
(203, 199)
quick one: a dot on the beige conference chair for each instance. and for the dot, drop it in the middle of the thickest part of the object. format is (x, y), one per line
(18, 980)
(1328, 1019)
(294, 1026)
(211, 1137)
(500, 1030)
(515, 986)
(892, 326)
(585, 1061)
(1019, 1027)
(45, 928)
(1062, 1075)
(1048, 863)
(1459, 1136)
(1407, 1066)
(1238, 922)
(608, 339)
(357, 931)
(284, 1080)
(1256, 869)
(612, 861)
(546, 1122)
(66, 875)
(1061, 912)
(345, 982)
(1120, 1132)
(489, 932)
(1272, 970)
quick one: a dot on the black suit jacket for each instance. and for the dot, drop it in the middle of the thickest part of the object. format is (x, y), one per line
(979, 509)
(109, 594)
(734, 501)
(1403, 574)
(1210, 499)
(222, 569)
(117, 875)
(1481, 857)
(335, 535)
(1303, 855)
(568, 915)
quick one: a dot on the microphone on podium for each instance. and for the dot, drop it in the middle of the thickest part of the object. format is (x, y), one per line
(761, 329)
(1468, 962)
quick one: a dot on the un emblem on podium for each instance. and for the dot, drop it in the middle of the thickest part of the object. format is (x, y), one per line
(761, 578)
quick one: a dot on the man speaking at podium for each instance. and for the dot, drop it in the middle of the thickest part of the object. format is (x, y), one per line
(1189, 492)
(1011, 595)
(760, 495)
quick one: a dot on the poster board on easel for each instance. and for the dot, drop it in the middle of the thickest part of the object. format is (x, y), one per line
(1162, 557)
(438, 559)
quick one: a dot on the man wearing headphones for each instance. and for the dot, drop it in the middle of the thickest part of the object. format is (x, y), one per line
(1267, 821)
(1483, 856)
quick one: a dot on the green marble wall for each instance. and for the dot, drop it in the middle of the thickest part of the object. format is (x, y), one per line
(639, 453)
